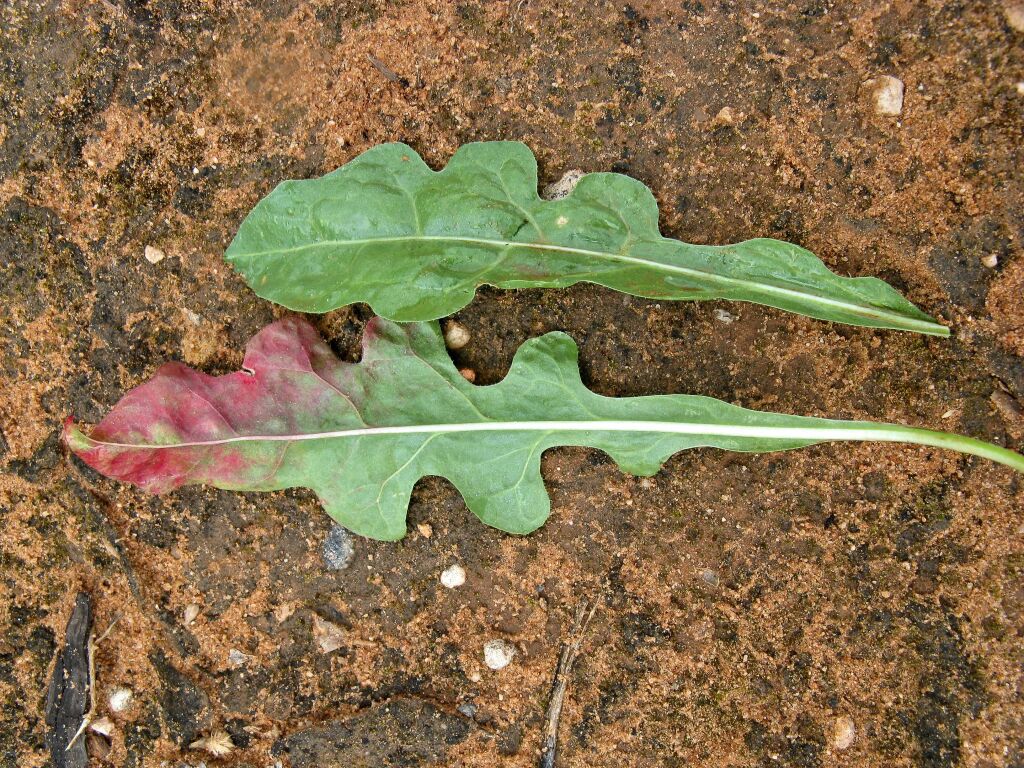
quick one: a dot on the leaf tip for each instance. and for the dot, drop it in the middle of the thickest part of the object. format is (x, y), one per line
(926, 325)
(73, 437)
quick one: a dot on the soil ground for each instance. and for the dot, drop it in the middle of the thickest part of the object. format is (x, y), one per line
(749, 605)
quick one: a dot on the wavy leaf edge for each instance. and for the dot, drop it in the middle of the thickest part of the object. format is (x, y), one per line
(135, 442)
(279, 248)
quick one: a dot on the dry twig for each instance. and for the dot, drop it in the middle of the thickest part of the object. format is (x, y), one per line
(570, 651)
(384, 69)
(91, 654)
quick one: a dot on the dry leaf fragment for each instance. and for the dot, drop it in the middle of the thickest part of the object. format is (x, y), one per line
(103, 726)
(283, 612)
(328, 636)
(217, 744)
(564, 186)
(97, 745)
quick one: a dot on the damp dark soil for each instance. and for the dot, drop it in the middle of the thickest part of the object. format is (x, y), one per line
(751, 608)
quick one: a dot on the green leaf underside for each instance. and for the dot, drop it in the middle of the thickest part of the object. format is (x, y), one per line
(361, 435)
(415, 244)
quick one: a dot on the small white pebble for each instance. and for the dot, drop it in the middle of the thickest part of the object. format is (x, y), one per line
(120, 699)
(724, 317)
(191, 613)
(1020, 88)
(236, 658)
(457, 336)
(991, 261)
(453, 576)
(498, 654)
(153, 255)
(1014, 15)
(888, 95)
(843, 732)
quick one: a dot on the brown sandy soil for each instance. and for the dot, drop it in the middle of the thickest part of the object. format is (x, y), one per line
(747, 603)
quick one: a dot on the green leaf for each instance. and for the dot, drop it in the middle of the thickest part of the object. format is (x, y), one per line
(416, 244)
(361, 435)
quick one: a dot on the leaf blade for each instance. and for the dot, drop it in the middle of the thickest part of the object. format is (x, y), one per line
(361, 435)
(415, 244)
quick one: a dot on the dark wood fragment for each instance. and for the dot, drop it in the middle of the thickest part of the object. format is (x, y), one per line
(67, 699)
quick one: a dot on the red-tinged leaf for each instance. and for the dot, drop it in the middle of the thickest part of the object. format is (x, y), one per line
(360, 435)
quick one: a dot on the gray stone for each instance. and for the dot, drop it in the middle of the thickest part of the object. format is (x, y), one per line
(338, 549)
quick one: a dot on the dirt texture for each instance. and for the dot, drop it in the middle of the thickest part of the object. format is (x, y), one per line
(753, 609)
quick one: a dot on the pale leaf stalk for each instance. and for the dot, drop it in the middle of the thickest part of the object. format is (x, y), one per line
(842, 431)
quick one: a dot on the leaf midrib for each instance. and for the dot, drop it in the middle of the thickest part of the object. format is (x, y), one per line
(896, 318)
(891, 433)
